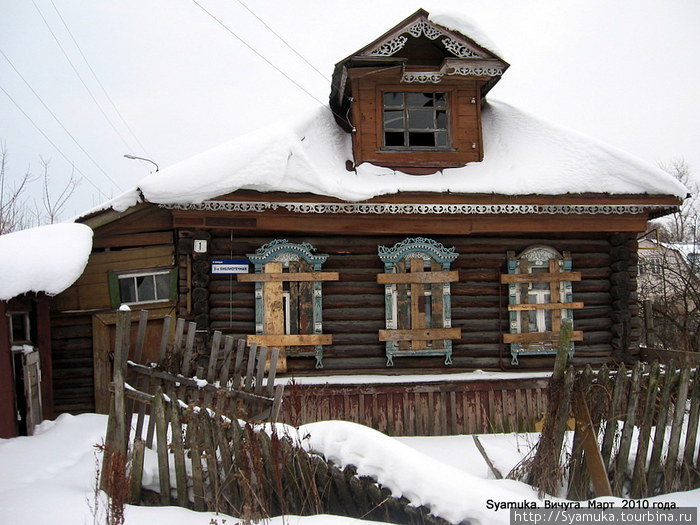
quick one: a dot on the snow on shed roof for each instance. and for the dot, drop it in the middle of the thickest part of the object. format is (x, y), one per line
(523, 155)
(44, 259)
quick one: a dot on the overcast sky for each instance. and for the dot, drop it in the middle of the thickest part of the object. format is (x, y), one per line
(625, 72)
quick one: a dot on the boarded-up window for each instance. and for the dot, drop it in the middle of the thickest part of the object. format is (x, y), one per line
(539, 301)
(417, 298)
(288, 299)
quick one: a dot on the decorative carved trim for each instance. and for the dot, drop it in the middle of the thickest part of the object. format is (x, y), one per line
(389, 47)
(420, 209)
(281, 250)
(424, 27)
(459, 49)
(540, 255)
(417, 247)
(479, 71)
(420, 77)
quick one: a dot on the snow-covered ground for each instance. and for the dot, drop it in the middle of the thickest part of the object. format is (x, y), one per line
(49, 478)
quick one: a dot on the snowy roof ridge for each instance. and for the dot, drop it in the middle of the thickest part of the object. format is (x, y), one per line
(523, 155)
(43, 259)
(465, 26)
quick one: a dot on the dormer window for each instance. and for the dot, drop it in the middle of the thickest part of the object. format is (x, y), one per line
(412, 98)
(415, 120)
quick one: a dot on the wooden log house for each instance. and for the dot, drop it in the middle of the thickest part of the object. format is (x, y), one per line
(412, 228)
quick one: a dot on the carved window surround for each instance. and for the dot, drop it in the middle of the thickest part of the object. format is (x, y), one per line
(289, 318)
(417, 299)
(540, 301)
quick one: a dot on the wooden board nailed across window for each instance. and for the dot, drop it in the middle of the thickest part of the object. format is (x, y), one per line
(540, 301)
(288, 299)
(417, 299)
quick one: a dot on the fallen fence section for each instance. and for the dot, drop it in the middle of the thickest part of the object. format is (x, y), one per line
(209, 454)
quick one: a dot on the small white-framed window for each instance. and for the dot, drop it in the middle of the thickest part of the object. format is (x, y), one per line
(156, 285)
(20, 328)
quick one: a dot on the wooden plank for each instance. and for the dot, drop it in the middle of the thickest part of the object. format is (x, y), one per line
(294, 300)
(545, 306)
(133, 239)
(281, 340)
(210, 455)
(496, 473)
(594, 459)
(664, 413)
(518, 278)
(238, 365)
(628, 428)
(137, 455)
(418, 276)
(611, 423)
(250, 367)
(162, 447)
(539, 337)
(417, 304)
(428, 334)
(306, 305)
(214, 356)
(691, 434)
(676, 428)
(102, 368)
(272, 372)
(273, 310)
(189, 350)
(195, 437)
(178, 448)
(121, 353)
(278, 277)
(639, 488)
(555, 295)
(260, 372)
(165, 336)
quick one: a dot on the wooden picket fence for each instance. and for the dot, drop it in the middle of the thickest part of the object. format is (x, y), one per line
(650, 407)
(203, 432)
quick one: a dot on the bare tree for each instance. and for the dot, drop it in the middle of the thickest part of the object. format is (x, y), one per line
(669, 280)
(53, 204)
(15, 211)
(682, 226)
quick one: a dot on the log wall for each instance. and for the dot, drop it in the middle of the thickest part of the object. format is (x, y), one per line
(353, 307)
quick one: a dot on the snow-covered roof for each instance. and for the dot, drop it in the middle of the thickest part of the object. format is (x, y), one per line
(523, 155)
(459, 22)
(45, 259)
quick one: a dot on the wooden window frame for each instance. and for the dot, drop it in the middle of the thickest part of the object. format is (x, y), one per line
(406, 130)
(273, 320)
(26, 326)
(415, 255)
(115, 276)
(520, 279)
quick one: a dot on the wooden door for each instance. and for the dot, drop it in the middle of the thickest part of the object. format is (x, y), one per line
(103, 335)
(31, 370)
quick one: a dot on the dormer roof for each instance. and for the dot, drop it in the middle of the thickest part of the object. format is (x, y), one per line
(426, 48)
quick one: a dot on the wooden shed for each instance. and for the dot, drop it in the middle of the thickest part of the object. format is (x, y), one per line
(411, 227)
(28, 279)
